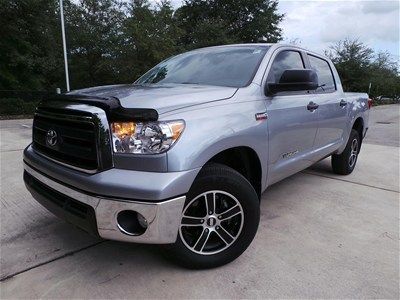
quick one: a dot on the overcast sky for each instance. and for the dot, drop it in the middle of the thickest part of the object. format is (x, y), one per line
(317, 24)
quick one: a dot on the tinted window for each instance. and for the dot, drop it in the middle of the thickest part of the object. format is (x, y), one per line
(285, 60)
(222, 66)
(324, 72)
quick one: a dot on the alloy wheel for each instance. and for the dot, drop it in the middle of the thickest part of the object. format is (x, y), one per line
(211, 222)
(353, 153)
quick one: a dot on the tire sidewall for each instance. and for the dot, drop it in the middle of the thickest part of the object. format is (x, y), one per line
(340, 162)
(354, 135)
(236, 185)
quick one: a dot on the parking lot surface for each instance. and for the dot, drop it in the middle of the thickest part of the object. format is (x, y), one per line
(321, 236)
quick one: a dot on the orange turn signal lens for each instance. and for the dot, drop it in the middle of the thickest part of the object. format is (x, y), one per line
(176, 128)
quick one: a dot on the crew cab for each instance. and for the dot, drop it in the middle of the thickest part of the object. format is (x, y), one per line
(182, 156)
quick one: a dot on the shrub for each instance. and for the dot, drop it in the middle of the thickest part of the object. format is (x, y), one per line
(16, 106)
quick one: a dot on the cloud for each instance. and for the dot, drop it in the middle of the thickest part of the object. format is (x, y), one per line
(320, 23)
(380, 7)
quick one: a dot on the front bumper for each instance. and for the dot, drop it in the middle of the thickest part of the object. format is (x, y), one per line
(116, 183)
(98, 214)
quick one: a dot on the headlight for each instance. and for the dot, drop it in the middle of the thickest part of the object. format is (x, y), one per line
(145, 138)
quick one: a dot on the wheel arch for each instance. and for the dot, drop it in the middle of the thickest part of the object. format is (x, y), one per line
(358, 125)
(244, 160)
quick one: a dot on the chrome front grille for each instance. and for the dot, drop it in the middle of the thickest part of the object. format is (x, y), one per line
(76, 136)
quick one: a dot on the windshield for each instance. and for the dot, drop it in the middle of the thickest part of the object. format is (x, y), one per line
(232, 66)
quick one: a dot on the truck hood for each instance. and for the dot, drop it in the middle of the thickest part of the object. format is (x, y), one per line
(163, 97)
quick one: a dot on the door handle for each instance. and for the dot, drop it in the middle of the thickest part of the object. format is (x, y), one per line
(312, 106)
(343, 103)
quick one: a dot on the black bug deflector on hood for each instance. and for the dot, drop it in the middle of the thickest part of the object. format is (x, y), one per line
(163, 98)
(111, 105)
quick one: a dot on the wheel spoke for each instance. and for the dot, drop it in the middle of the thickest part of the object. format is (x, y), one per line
(202, 240)
(210, 203)
(214, 201)
(352, 159)
(230, 213)
(192, 221)
(224, 235)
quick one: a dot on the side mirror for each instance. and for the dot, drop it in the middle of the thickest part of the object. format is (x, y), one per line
(294, 80)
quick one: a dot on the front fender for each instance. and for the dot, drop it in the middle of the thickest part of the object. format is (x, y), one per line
(212, 130)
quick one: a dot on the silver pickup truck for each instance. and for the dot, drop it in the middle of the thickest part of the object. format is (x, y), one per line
(182, 156)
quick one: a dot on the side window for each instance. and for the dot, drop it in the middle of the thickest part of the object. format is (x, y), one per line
(324, 72)
(285, 60)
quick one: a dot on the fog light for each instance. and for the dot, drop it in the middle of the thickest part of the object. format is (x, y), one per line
(131, 222)
(142, 220)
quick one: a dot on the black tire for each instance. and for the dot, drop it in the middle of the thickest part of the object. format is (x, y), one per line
(211, 179)
(345, 162)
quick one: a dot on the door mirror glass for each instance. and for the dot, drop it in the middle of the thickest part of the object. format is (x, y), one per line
(294, 80)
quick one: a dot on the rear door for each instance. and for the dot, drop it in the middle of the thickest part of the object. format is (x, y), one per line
(332, 110)
(292, 125)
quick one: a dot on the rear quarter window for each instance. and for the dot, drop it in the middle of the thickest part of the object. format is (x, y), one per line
(326, 81)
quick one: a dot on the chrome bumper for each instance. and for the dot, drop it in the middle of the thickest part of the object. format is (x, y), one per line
(163, 218)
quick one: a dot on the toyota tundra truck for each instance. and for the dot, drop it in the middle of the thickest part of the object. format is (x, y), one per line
(182, 156)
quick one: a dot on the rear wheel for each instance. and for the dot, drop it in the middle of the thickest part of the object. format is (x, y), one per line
(345, 163)
(219, 220)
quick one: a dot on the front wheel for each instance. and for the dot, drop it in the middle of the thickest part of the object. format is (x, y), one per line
(345, 163)
(219, 220)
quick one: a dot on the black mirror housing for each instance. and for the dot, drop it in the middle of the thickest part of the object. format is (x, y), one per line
(294, 80)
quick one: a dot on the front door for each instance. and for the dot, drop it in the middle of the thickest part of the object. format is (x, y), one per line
(292, 122)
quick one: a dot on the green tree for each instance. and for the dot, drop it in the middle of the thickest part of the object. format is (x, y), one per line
(150, 36)
(200, 27)
(115, 41)
(384, 76)
(352, 59)
(358, 66)
(30, 45)
(94, 35)
(211, 22)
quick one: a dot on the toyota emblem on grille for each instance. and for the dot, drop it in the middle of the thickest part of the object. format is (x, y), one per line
(51, 138)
